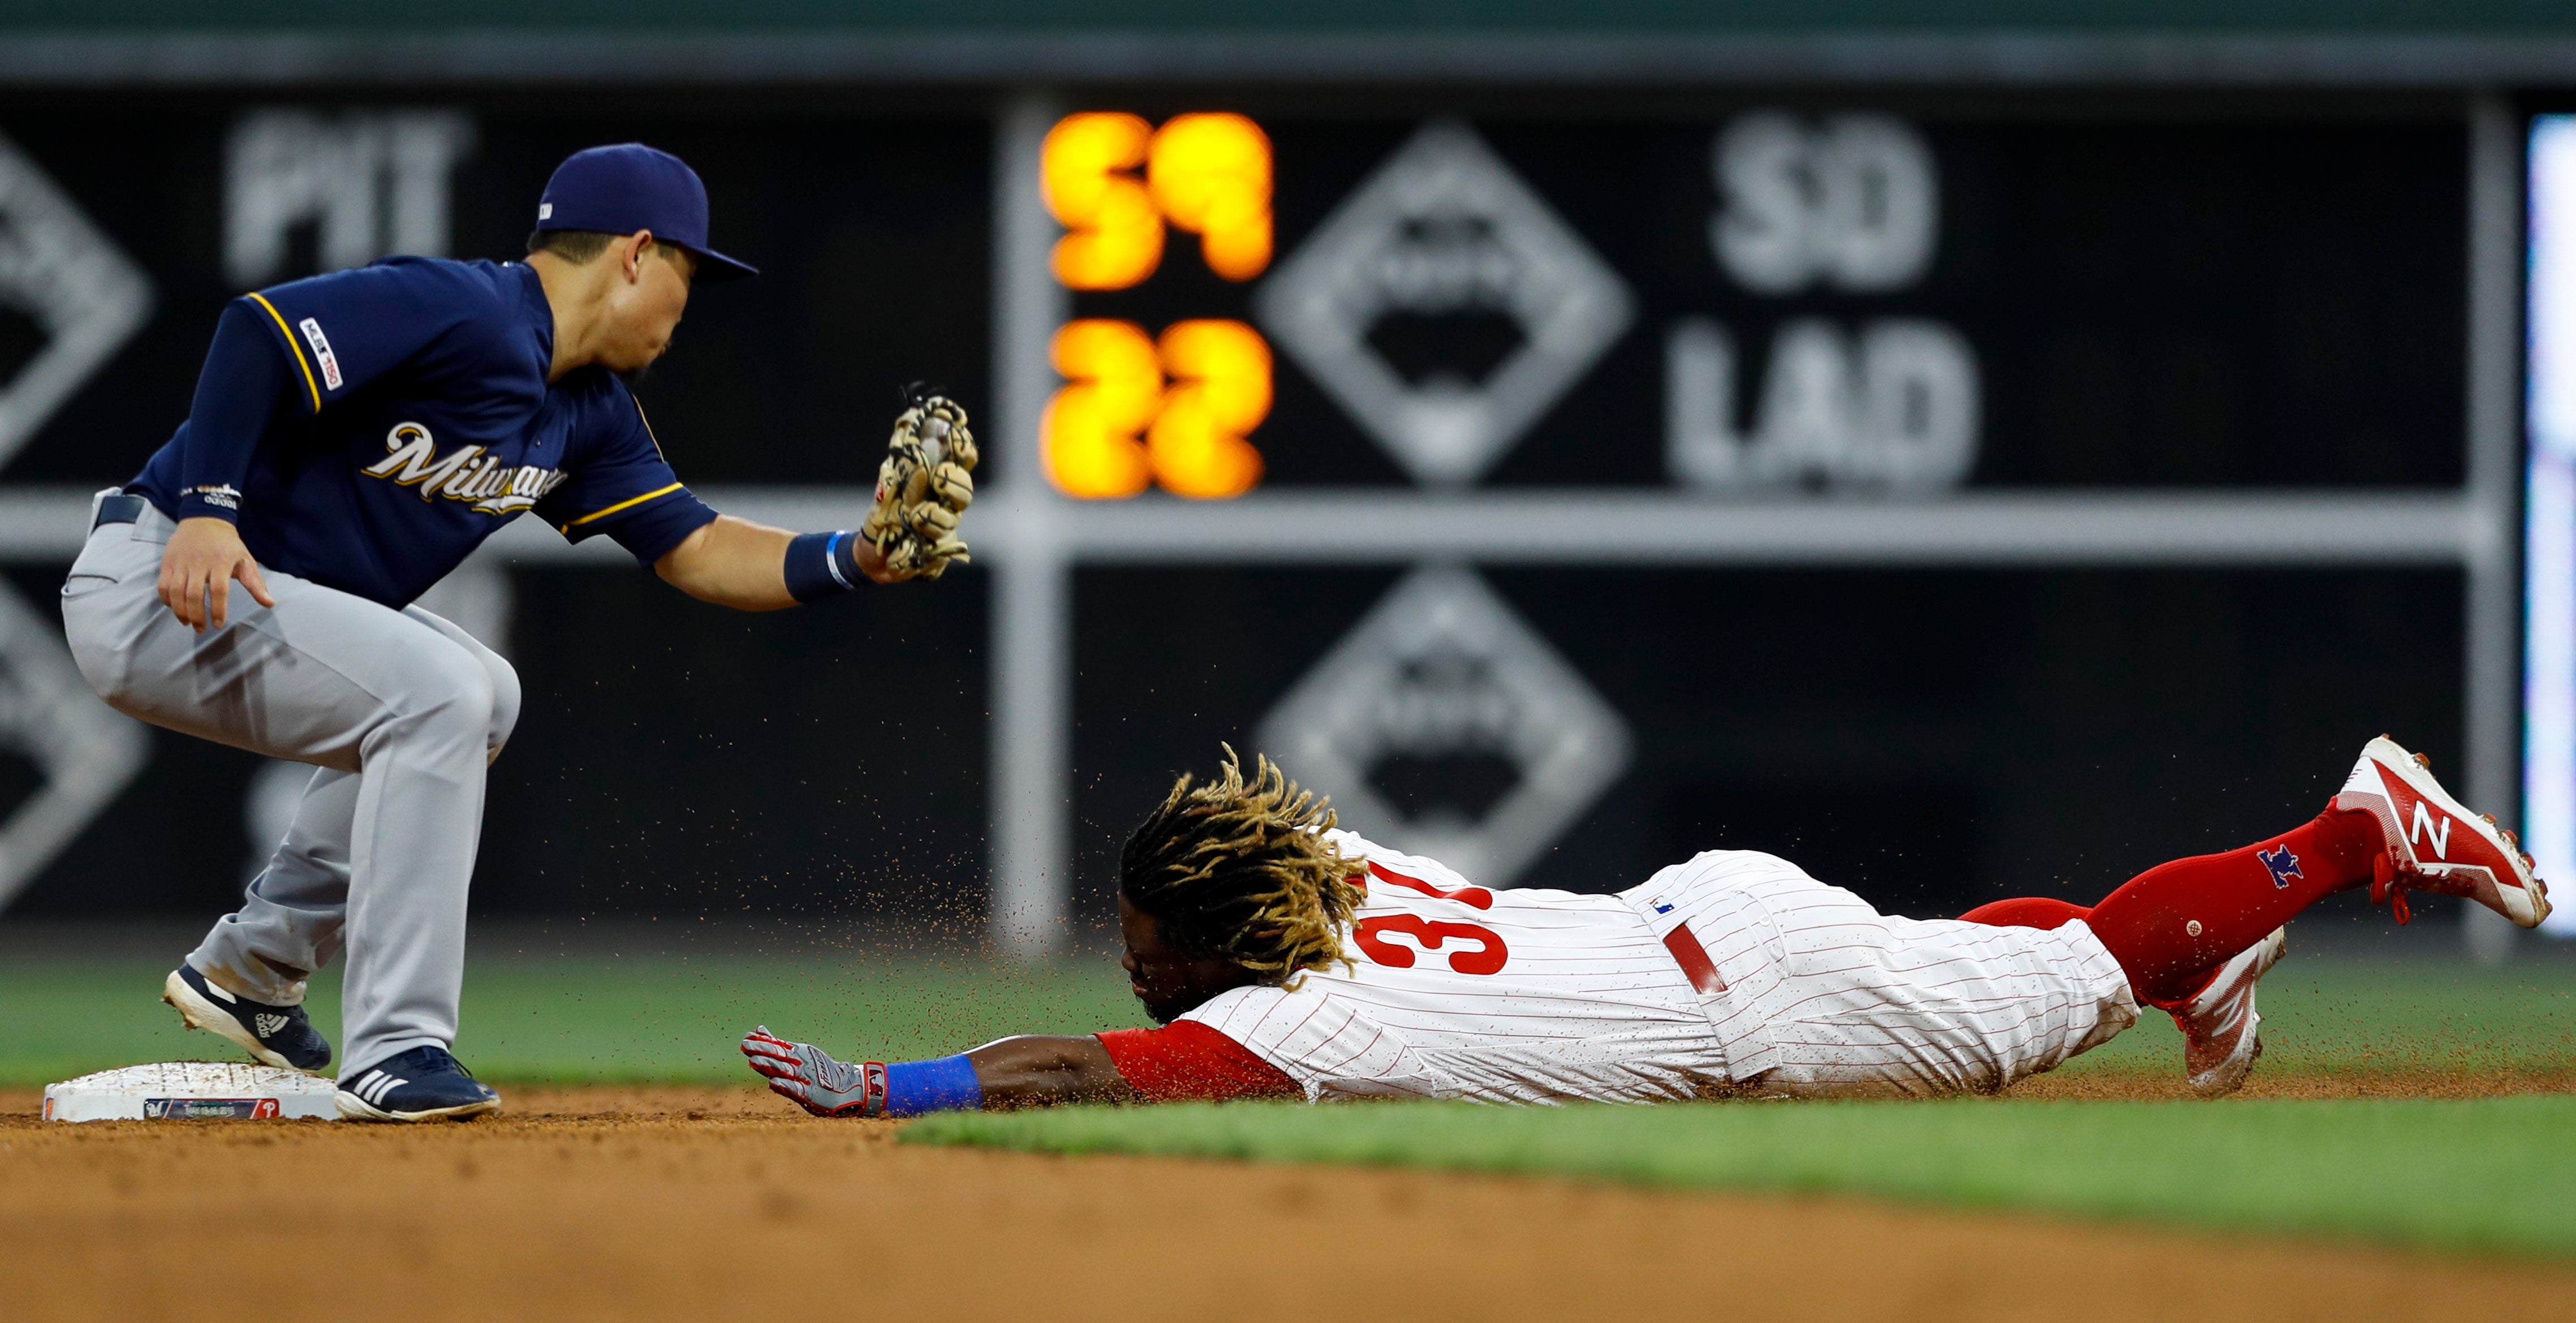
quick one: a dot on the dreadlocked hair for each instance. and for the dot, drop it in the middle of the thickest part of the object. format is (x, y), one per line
(1239, 869)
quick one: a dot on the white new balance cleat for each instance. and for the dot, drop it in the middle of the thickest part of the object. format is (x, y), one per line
(2221, 1036)
(2434, 842)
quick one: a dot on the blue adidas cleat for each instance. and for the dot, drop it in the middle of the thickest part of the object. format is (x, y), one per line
(423, 1084)
(274, 1035)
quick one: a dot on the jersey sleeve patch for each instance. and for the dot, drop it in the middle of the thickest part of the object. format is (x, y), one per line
(297, 351)
(1186, 1061)
(312, 328)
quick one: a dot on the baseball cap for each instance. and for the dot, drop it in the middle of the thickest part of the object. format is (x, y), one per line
(627, 187)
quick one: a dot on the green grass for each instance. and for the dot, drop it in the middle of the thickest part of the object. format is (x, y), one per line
(2359, 1017)
(2491, 1176)
(603, 1018)
(591, 1019)
(2484, 1176)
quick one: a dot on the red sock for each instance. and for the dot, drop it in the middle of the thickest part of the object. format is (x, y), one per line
(2169, 926)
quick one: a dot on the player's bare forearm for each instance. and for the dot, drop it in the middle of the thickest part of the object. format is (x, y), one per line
(731, 562)
(1037, 1071)
(737, 563)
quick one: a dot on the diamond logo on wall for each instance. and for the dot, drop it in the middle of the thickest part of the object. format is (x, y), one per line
(48, 716)
(1443, 725)
(72, 281)
(1445, 230)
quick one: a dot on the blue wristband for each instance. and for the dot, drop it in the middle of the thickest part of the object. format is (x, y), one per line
(822, 564)
(945, 1085)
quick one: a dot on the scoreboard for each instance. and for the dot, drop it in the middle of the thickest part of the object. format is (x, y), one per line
(1170, 410)
(1759, 299)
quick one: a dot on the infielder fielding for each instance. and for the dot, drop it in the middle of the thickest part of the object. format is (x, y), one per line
(353, 438)
(1288, 959)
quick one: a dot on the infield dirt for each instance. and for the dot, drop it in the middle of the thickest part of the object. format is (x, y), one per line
(709, 1203)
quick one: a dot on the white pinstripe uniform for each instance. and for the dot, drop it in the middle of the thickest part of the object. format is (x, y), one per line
(1733, 971)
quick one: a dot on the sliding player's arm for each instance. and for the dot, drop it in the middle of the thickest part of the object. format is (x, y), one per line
(1037, 1070)
(1185, 1060)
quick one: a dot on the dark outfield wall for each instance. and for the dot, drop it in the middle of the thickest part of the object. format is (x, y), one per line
(2238, 294)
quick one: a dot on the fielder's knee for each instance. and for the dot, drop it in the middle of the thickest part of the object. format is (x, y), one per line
(505, 702)
(448, 698)
(469, 705)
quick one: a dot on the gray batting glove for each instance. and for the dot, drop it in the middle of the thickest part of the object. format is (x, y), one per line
(807, 1076)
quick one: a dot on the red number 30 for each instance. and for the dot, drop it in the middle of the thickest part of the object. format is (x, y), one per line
(1488, 958)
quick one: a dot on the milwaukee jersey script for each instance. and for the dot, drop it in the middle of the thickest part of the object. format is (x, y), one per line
(415, 420)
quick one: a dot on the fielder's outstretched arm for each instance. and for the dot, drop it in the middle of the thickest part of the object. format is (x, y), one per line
(753, 567)
(922, 488)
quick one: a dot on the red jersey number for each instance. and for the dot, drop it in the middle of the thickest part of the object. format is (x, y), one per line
(1474, 898)
(1487, 957)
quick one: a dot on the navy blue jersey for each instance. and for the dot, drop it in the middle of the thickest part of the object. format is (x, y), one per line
(414, 419)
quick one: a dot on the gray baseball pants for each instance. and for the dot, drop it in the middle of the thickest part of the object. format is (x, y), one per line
(398, 711)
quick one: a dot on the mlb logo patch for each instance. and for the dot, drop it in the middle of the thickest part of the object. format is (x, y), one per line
(322, 355)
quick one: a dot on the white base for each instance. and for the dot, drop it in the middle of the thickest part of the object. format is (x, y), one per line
(191, 1090)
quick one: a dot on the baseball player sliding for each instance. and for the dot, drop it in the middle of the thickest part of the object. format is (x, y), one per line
(353, 438)
(1284, 958)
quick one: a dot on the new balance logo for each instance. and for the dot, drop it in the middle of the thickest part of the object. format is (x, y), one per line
(2429, 823)
(267, 1025)
(2282, 864)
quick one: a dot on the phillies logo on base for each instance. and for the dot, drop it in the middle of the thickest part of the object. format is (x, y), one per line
(210, 1109)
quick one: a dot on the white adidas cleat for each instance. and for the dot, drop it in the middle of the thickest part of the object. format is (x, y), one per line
(2220, 1029)
(2434, 842)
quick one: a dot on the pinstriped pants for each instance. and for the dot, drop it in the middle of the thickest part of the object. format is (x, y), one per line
(1825, 996)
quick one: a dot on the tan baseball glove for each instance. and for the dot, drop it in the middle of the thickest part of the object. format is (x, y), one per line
(925, 483)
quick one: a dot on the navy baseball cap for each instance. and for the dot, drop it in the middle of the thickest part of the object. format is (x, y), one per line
(629, 187)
